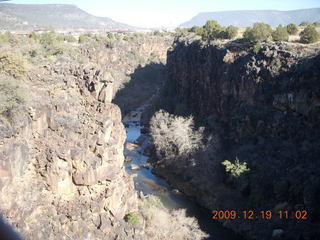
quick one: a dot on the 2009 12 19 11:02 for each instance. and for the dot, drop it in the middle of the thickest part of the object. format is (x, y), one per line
(263, 214)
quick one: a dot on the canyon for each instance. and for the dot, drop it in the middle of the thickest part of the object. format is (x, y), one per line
(62, 163)
(71, 169)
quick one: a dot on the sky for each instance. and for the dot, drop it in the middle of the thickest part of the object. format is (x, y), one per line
(171, 13)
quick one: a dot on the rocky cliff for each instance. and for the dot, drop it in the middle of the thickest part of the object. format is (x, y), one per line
(62, 170)
(61, 152)
(262, 108)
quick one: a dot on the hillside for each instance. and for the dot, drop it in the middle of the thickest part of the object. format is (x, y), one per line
(247, 18)
(59, 16)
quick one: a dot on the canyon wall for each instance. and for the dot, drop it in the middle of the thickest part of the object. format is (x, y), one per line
(61, 155)
(261, 108)
(62, 170)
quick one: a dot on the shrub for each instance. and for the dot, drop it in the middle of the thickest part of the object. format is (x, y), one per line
(212, 30)
(174, 135)
(304, 24)
(309, 35)
(12, 97)
(83, 38)
(110, 44)
(181, 31)
(54, 49)
(68, 38)
(12, 63)
(50, 42)
(316, 24)
(173, 225)
(125, 38)
(47, 38)
(157, 33)
(231, 32)
(133, 219)
(198, 30)
(193, 29)
(260, 32)
(110, 35)
(280, 34)
(292, 29)
(7, 37)
(235, 169)
(152, 202)
(99, 38)
(34, 36)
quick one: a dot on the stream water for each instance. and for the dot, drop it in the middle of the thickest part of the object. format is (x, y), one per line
(147, 183)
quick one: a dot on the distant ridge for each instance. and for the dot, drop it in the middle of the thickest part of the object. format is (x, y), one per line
(246, 18)
(58, 16)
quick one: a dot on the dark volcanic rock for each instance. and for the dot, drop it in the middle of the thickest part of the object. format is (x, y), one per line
(263, 108)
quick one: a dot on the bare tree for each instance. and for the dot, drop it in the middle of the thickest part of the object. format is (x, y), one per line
(174, 135)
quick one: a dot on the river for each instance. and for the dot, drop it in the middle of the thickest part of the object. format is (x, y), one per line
(147, 183)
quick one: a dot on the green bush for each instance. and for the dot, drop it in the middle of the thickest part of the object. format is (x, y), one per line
(12, 63)
(193, 29)
(292, 29)
(50, 42)
(110, 35)
(280, 34)
(12, 97)
(309, 35)
(230, 32)
(235, 169)
(99, 38)
(83, 38)
(197, 30)
(212, 30)
(260, 32)
(66, 38)
(54, 49)
(181, 31)
(133, 219)
(48, 38)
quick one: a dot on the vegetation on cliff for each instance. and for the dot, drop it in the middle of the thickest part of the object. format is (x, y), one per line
(257, 34)
(235, 169)
(280, 34)
(13, 97)
(260, 32)
(12, 63)
(292, 29)
(309, 35)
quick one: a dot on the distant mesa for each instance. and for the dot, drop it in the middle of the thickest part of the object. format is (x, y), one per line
(247, 18)
(57, 16)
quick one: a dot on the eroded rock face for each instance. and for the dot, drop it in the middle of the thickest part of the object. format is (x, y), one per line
(262, 108)
(61, 173)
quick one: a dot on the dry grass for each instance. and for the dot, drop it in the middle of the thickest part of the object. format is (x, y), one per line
(170, 225)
